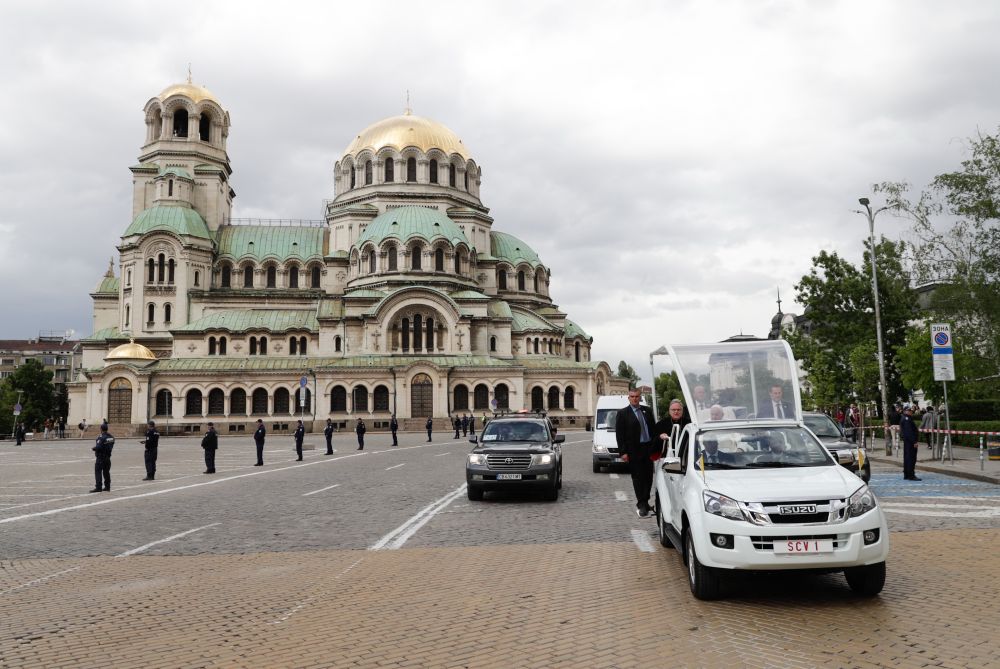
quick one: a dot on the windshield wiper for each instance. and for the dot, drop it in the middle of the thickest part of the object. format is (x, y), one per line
(777, 463)
(720, 465)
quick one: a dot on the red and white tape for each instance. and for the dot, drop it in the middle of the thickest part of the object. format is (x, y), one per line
(896, 427)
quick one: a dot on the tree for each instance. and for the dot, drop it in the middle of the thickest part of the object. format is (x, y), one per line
(667, 388)
(626, 371)
(37, 396)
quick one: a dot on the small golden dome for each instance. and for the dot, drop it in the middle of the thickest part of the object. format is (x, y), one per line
(130, 351)
(406, 130)
(193, 91)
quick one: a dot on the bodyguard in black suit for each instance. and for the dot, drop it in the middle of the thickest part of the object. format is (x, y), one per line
(635, 436)
(775, 407)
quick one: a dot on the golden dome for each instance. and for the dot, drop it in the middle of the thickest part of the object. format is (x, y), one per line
(130, 351)
(406, 130)
(193, 91)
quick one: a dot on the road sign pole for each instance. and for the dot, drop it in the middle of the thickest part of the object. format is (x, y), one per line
(947, 427)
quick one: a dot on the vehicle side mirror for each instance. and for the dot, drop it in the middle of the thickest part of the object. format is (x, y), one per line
(473, 440)
(560, 438)
(671, 465)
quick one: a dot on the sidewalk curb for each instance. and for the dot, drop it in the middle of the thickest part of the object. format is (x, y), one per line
(939, 468)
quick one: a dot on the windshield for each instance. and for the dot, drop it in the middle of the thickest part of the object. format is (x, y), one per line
(822, 425)
(515, 430)
(606, 419)
(758, 447)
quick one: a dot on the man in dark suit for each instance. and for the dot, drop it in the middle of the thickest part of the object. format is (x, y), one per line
(258, 439)
(210, 442)
(712, 454)
(300, 433)
(152, 441)
(328, 433)
(776, 407)
(908, 431)
(393, 428)
(634, 434)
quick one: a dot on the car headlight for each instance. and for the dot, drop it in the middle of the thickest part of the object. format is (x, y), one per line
(600, 449)
(541, 459)
(720, 505)
(861, 502)
(477, 459)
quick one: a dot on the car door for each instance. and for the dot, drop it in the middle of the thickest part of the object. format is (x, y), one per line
(675, 482)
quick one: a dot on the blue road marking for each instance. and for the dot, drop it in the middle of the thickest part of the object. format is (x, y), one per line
(932, 485)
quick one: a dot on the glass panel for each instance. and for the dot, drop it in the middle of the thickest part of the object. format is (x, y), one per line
(756, 447)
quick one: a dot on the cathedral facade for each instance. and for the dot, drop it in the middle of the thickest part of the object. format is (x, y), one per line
(403, 300)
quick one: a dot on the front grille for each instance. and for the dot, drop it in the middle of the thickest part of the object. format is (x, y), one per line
(613, 451)
(826, 511)
(767, 543)
(781, 519)
(509, 463)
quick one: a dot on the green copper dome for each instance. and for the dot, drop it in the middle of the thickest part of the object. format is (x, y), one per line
(178, 220)
(405, 223)
(513, 250)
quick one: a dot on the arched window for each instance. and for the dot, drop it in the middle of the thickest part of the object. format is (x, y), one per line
(272, 276)
(536, 282)
(434, 171)
(211, 345)
(371, 261)
(128, 278)
(493, 344)
(338, 399)
(293, 277)
(461, 398)
(181, 123)
(302, 345)
(537, 398)
(438, 260)
(368, 173)
(406, 334)
(381, 398)
(550, 346)
(263, 345)
(306, 405)
(227, 277)
(520, 280)
(222, 345)
(205, 128)
(553, 398)
(458, 263)
(258, 402)
(411, 169)
(170, 271)
(197, 278)
(360, 397)
(151, 313)
(353, 176)
(502, 395)
(161, 262)
(293, 345)
(536, 344)
(451, 176)
(336, 344)
(248, 277)
(415, 254)
(281, 402)
(170, 187)
(418, 333)
(192, 405)
(391, 255)
(315, 277)
(465, 179)
(152, 271)
(127, 313)
(216, 402)
(253, 346)
(164, 403)
(502, 278)
(388, 170)
(430, 333)
(576, 351)
(238, 402)
(569, 398)
(481, 397)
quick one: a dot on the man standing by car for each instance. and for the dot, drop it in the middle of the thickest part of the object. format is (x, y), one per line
(634, 434)
(151, 442)
(908, 432)
(258, 439)
(210, 442)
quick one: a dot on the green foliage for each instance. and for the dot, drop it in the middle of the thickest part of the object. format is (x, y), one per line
(864, 369)
(973, 426)
(626, 371)
(37, 398)
(667, 388)
(974, 409)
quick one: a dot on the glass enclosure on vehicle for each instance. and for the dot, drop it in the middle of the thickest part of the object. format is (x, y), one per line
(742, 380)
(760, 447)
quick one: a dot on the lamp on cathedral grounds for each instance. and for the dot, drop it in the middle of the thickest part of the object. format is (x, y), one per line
(878, 318)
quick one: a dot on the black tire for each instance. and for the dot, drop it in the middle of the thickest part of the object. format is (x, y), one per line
(552, 492)
(866, 581)
(704, 581)
(560, 477)
(661, 524)
(597, 468)
(475, 493)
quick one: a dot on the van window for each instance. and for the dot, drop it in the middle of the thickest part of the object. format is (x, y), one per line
(606, 419)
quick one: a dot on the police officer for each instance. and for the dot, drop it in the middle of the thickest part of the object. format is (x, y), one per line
(465, 425)
(908, 431)
(300, 433)
(360, 429)
(102, 465)
(472, 425)
(328, 433)
(393, 426)
(210, 442)
(258, 439)
(429, 426)
(152, 441)
(458, 426)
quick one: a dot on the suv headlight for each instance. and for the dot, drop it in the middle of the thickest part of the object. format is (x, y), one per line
(600, 449)
(541, 459)
(720, 505)
(477, 459)
(861, 502)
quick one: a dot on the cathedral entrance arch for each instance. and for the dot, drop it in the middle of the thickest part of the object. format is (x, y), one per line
(120, 401)
(421, 396)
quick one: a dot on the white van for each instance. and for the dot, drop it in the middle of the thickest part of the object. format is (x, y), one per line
(605, 448)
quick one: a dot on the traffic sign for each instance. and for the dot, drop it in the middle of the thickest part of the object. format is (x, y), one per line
(17, 409)
(942, 352)
(303, 382)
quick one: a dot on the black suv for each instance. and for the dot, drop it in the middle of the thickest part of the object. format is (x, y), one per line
(520, 451)
(833, 438)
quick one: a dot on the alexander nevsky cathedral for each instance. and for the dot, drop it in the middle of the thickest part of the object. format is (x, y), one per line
(404, 300)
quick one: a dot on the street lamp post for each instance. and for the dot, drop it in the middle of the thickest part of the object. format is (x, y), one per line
(878, 320)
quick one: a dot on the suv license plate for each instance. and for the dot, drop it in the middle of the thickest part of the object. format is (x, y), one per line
(508, 477)
(799, 546)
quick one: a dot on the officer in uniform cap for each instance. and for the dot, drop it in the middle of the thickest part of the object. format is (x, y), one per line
(328, 433)
(102, 465)
(152, 441)
(300, 433)
(258, 439)
(210, 442)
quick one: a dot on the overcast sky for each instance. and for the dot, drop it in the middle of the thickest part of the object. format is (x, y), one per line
(674, 163)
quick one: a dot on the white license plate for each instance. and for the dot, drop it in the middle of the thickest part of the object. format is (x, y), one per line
(508, 477)
(802, 546)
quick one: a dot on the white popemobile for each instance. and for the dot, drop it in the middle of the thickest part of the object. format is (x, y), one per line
(760, 492)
